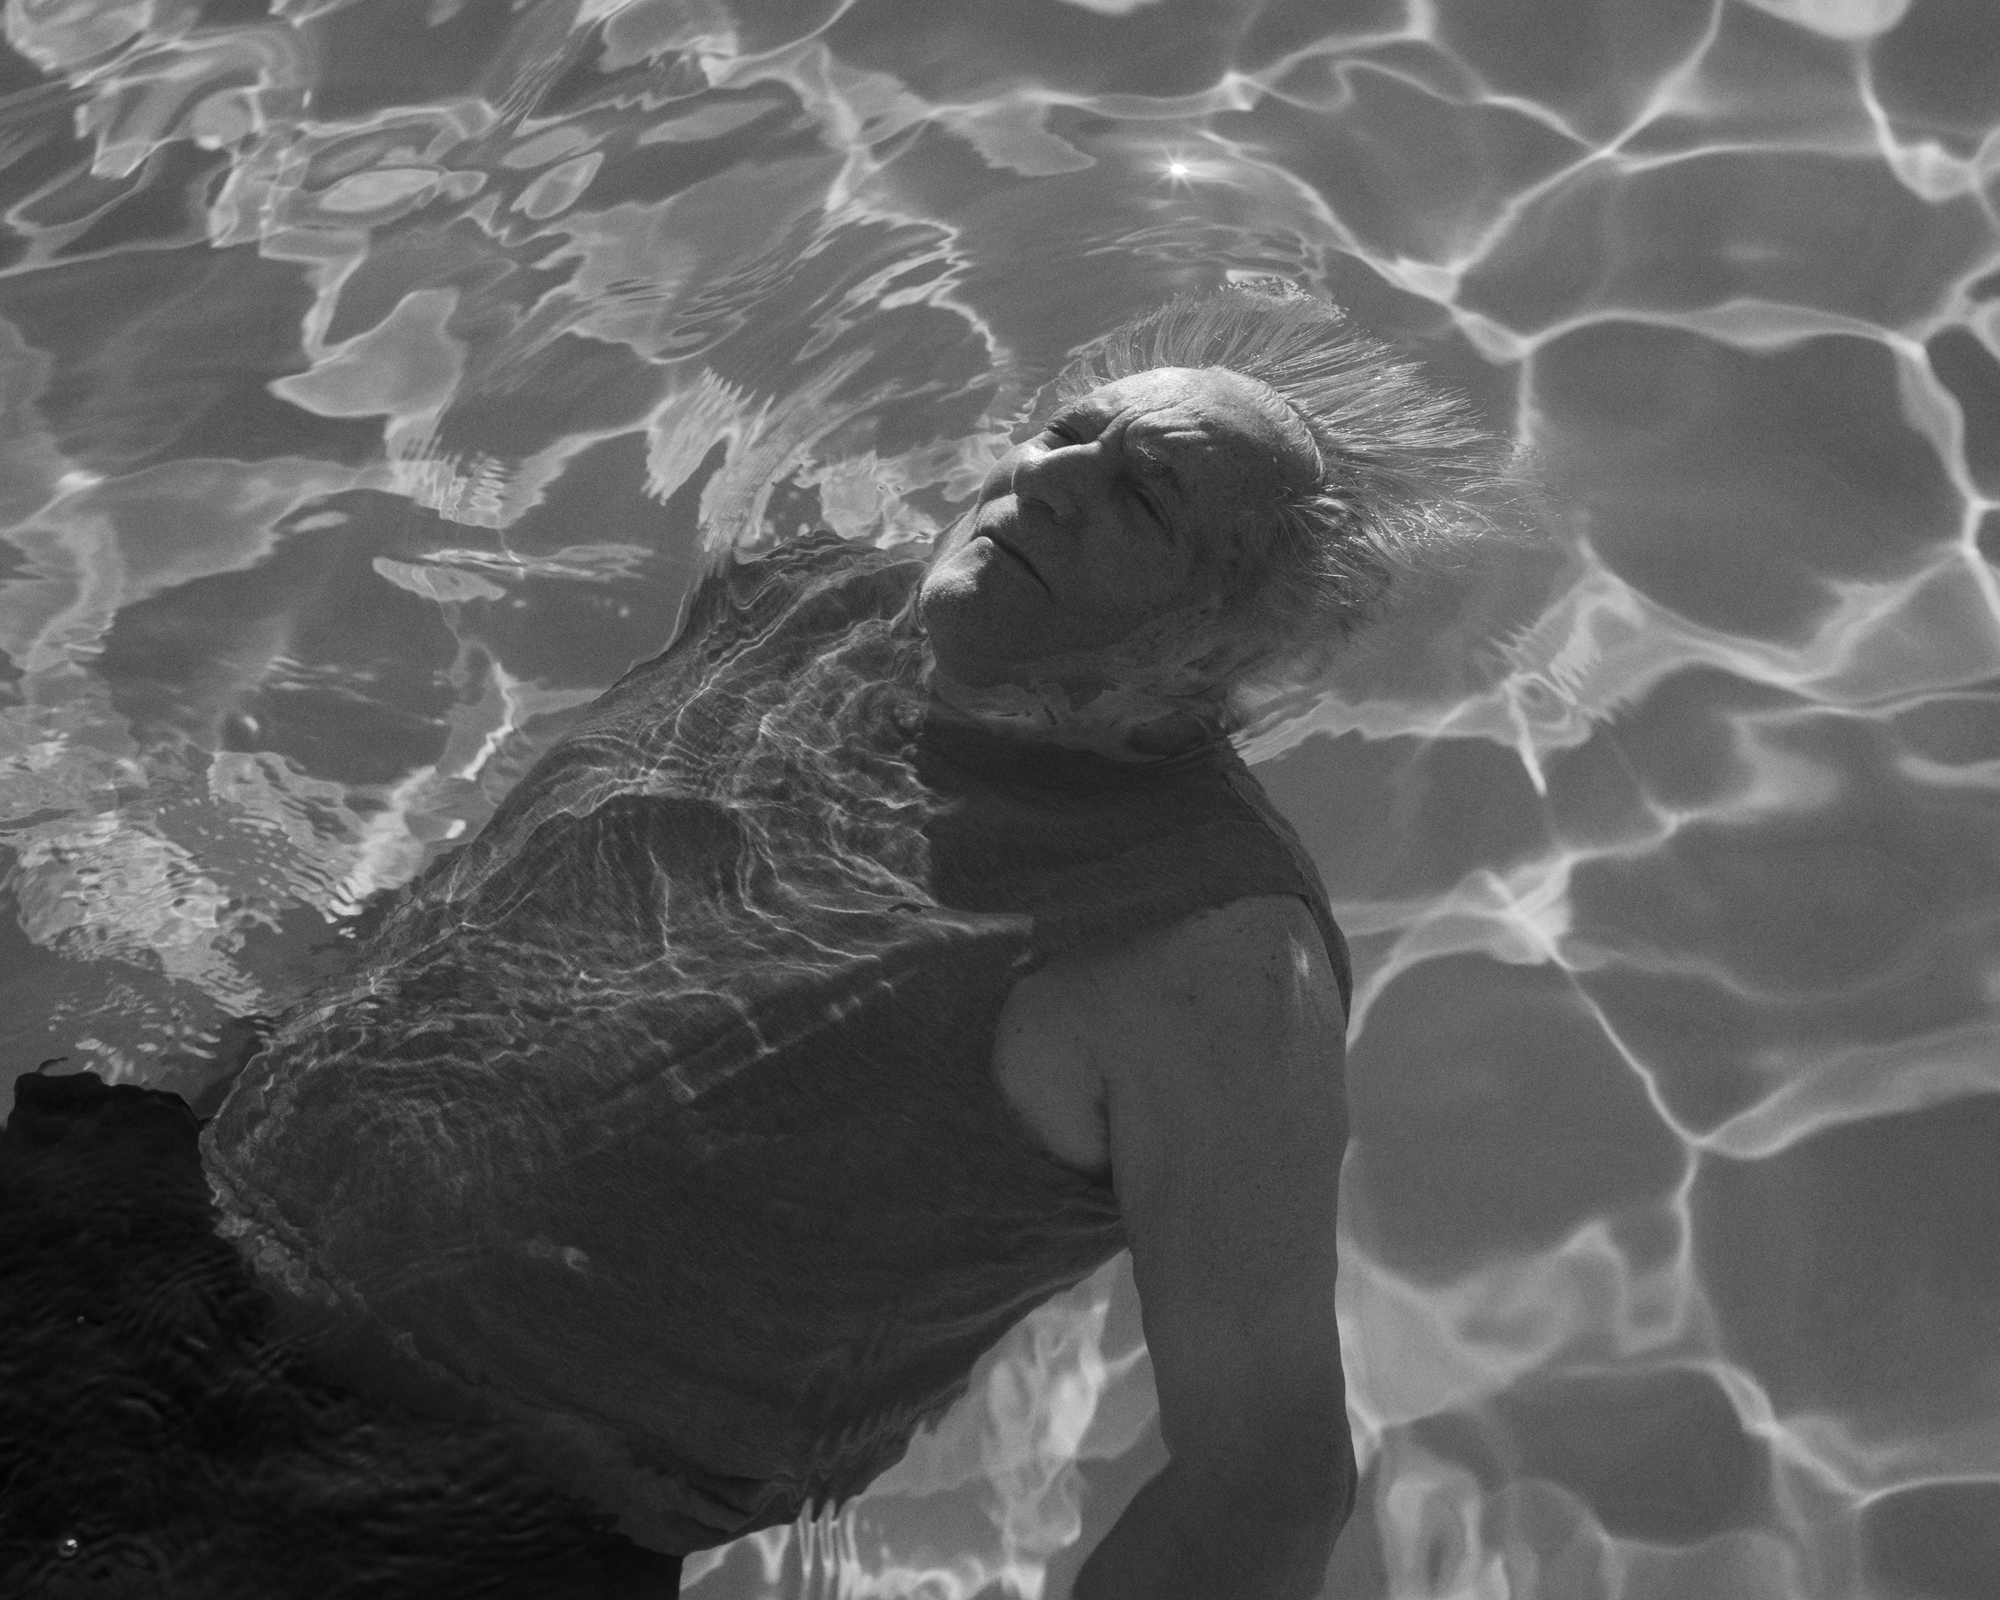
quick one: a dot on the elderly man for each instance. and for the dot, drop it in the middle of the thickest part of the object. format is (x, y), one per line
(878, 961)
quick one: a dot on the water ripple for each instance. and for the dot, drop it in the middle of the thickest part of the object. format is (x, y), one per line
(376, 375)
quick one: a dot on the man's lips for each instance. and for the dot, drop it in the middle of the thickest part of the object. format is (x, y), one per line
(1003, 545)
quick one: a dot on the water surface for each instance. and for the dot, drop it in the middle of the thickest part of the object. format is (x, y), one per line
(376, 376)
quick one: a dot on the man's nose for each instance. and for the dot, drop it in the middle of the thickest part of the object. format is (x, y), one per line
(1057, 480)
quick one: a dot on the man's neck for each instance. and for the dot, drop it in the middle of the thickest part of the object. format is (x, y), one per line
(1120, 723)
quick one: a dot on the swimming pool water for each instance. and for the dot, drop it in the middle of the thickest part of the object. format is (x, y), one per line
(376, 375)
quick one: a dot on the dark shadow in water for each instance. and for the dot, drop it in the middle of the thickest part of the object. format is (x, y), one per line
(156, 1438)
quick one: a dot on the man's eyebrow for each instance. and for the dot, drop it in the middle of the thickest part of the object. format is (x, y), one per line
(1154, 466)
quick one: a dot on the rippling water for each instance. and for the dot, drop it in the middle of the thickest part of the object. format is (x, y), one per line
(376, 374)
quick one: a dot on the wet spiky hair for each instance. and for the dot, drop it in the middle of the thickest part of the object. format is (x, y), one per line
(1407, 479)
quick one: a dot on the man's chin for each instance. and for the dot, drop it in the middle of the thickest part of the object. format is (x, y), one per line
(965, 586)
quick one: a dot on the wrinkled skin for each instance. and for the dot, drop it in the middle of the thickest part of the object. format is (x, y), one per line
(1130, 504)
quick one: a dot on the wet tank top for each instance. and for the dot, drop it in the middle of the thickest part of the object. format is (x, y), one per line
(664, 1111)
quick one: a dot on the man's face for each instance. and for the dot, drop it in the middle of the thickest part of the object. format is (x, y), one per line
(1132, 502)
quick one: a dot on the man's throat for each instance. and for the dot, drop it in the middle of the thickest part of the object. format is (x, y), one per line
(1121, 723)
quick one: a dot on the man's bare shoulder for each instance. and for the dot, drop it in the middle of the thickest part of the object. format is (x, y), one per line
(1253, 953)
(1259, 960)
(1156, 1007)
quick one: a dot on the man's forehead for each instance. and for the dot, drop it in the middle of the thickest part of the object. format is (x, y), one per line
(1207, 416)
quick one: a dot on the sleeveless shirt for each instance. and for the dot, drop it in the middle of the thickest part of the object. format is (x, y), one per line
(661, 1118)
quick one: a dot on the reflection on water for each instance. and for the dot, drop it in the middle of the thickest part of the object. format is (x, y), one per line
(376, 374)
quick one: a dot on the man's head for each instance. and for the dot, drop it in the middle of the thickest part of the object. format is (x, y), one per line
(1136, 501)
(1223, 492)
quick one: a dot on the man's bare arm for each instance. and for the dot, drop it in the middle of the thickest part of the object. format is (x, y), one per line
(1228, 1121)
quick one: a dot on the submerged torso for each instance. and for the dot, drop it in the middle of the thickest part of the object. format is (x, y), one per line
(699, 1109)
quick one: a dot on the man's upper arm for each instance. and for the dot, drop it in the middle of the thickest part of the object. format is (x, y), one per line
(1228, 1120)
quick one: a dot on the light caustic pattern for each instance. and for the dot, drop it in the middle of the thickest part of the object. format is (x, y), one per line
(376, 375)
